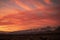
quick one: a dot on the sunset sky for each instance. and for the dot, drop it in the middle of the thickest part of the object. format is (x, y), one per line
(17, 15)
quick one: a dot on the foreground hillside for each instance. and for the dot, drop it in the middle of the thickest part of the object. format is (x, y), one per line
(36, 34)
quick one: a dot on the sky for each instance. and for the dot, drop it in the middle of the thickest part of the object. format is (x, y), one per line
(17, 15)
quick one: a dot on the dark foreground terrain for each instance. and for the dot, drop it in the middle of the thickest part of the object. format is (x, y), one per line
(46, 35)
(31, 37)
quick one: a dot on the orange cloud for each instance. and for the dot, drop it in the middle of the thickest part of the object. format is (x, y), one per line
(7, 11)
(19, 3)
(25, 21)
(15, 20)
(48, 1)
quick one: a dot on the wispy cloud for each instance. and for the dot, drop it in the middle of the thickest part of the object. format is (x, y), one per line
(26, 14)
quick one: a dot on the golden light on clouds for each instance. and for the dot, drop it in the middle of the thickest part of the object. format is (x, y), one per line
(13, 19)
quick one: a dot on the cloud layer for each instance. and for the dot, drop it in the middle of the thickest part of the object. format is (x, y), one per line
(18, 15)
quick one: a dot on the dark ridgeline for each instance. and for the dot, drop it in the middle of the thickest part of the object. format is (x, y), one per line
(47, 33)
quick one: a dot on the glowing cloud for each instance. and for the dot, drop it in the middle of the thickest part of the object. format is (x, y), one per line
(19, 3)
(13, 19)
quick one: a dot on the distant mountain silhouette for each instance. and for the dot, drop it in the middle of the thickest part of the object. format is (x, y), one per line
(46, 33)
(47, 29)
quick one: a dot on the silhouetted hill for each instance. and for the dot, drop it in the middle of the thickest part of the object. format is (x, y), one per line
(47, 33)
(43, 30)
